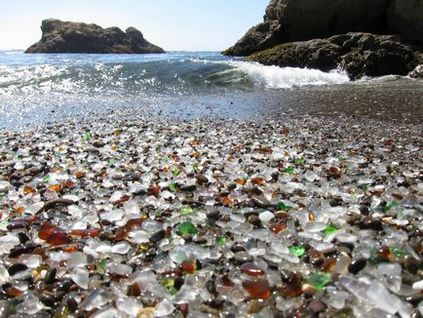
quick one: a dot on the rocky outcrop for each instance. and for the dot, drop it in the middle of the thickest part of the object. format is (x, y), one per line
(299, 20)
(73, 37)
(347, 34)
(417, 72)
(359, 54)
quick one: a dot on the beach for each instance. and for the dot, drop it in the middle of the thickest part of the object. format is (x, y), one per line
(152, 165)
(134, 215)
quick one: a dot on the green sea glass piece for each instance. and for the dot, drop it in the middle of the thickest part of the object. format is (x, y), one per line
(101, 266)
(299, 161)
(176, 172)
(297, 250)
(172, 187)
(187, 228)
(284, 207)
(330, 229)
(319, 280)
(186, 210)
(289, 170)
(221, 240)
(87, 136)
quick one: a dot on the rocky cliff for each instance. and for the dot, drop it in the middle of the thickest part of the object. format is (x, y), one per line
(289, 25)
(73, 37)
(299, 20)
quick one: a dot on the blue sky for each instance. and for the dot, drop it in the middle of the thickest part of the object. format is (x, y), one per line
(172, 24)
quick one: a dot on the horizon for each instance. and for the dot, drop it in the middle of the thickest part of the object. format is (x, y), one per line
(212, 25)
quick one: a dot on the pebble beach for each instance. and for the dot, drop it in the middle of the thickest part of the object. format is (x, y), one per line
(141, 217)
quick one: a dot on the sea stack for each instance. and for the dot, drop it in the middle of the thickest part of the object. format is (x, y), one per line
(370, 36)
(76, 37)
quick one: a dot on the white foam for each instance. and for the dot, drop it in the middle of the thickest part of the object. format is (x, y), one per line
(275, 77)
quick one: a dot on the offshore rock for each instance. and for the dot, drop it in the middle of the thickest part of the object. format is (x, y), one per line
(76, 37)
(359, 54)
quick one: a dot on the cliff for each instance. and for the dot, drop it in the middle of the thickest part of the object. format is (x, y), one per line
(372, 37)
(300, 20)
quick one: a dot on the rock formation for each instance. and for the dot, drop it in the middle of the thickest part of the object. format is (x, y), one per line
(299, 20)
(359, 54)
(73, 37)
(315, 33)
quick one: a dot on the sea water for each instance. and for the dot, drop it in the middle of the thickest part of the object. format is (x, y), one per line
(42, 88)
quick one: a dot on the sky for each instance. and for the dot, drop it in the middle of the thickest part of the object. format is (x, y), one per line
(191, 25)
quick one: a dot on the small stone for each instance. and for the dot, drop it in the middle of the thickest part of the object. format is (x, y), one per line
(316, 306)
(16, 268)
(266, 216)
(4, 186)
(418, 285)
(98, 144)
(201, 179)
(370, 223)
(50, 276)
(80, 277)
(121, 248)
(357, 265)
(148, 312)
(242, 257)
(164, 308)
(383, 299)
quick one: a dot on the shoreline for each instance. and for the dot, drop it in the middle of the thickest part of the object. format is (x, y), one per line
(172, 217)
(381, 100)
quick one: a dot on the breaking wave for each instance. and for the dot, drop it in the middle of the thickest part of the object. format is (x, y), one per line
(147, 75)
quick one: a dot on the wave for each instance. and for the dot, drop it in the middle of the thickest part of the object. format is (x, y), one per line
(167, 74)
(275, 77)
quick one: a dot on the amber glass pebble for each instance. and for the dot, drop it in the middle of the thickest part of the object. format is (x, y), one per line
(46, 230)
(58, 238)
(189, 267)
(55, 187)
(328, 265)
(86, 233)
(278, 228)
(258, 180)
(80, 174)
(240, 181)
(257, 288)
(28, 190)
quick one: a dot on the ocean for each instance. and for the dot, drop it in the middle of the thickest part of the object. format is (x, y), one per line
(44, 88)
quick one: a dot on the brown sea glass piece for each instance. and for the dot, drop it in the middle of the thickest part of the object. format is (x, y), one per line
(257, 288)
